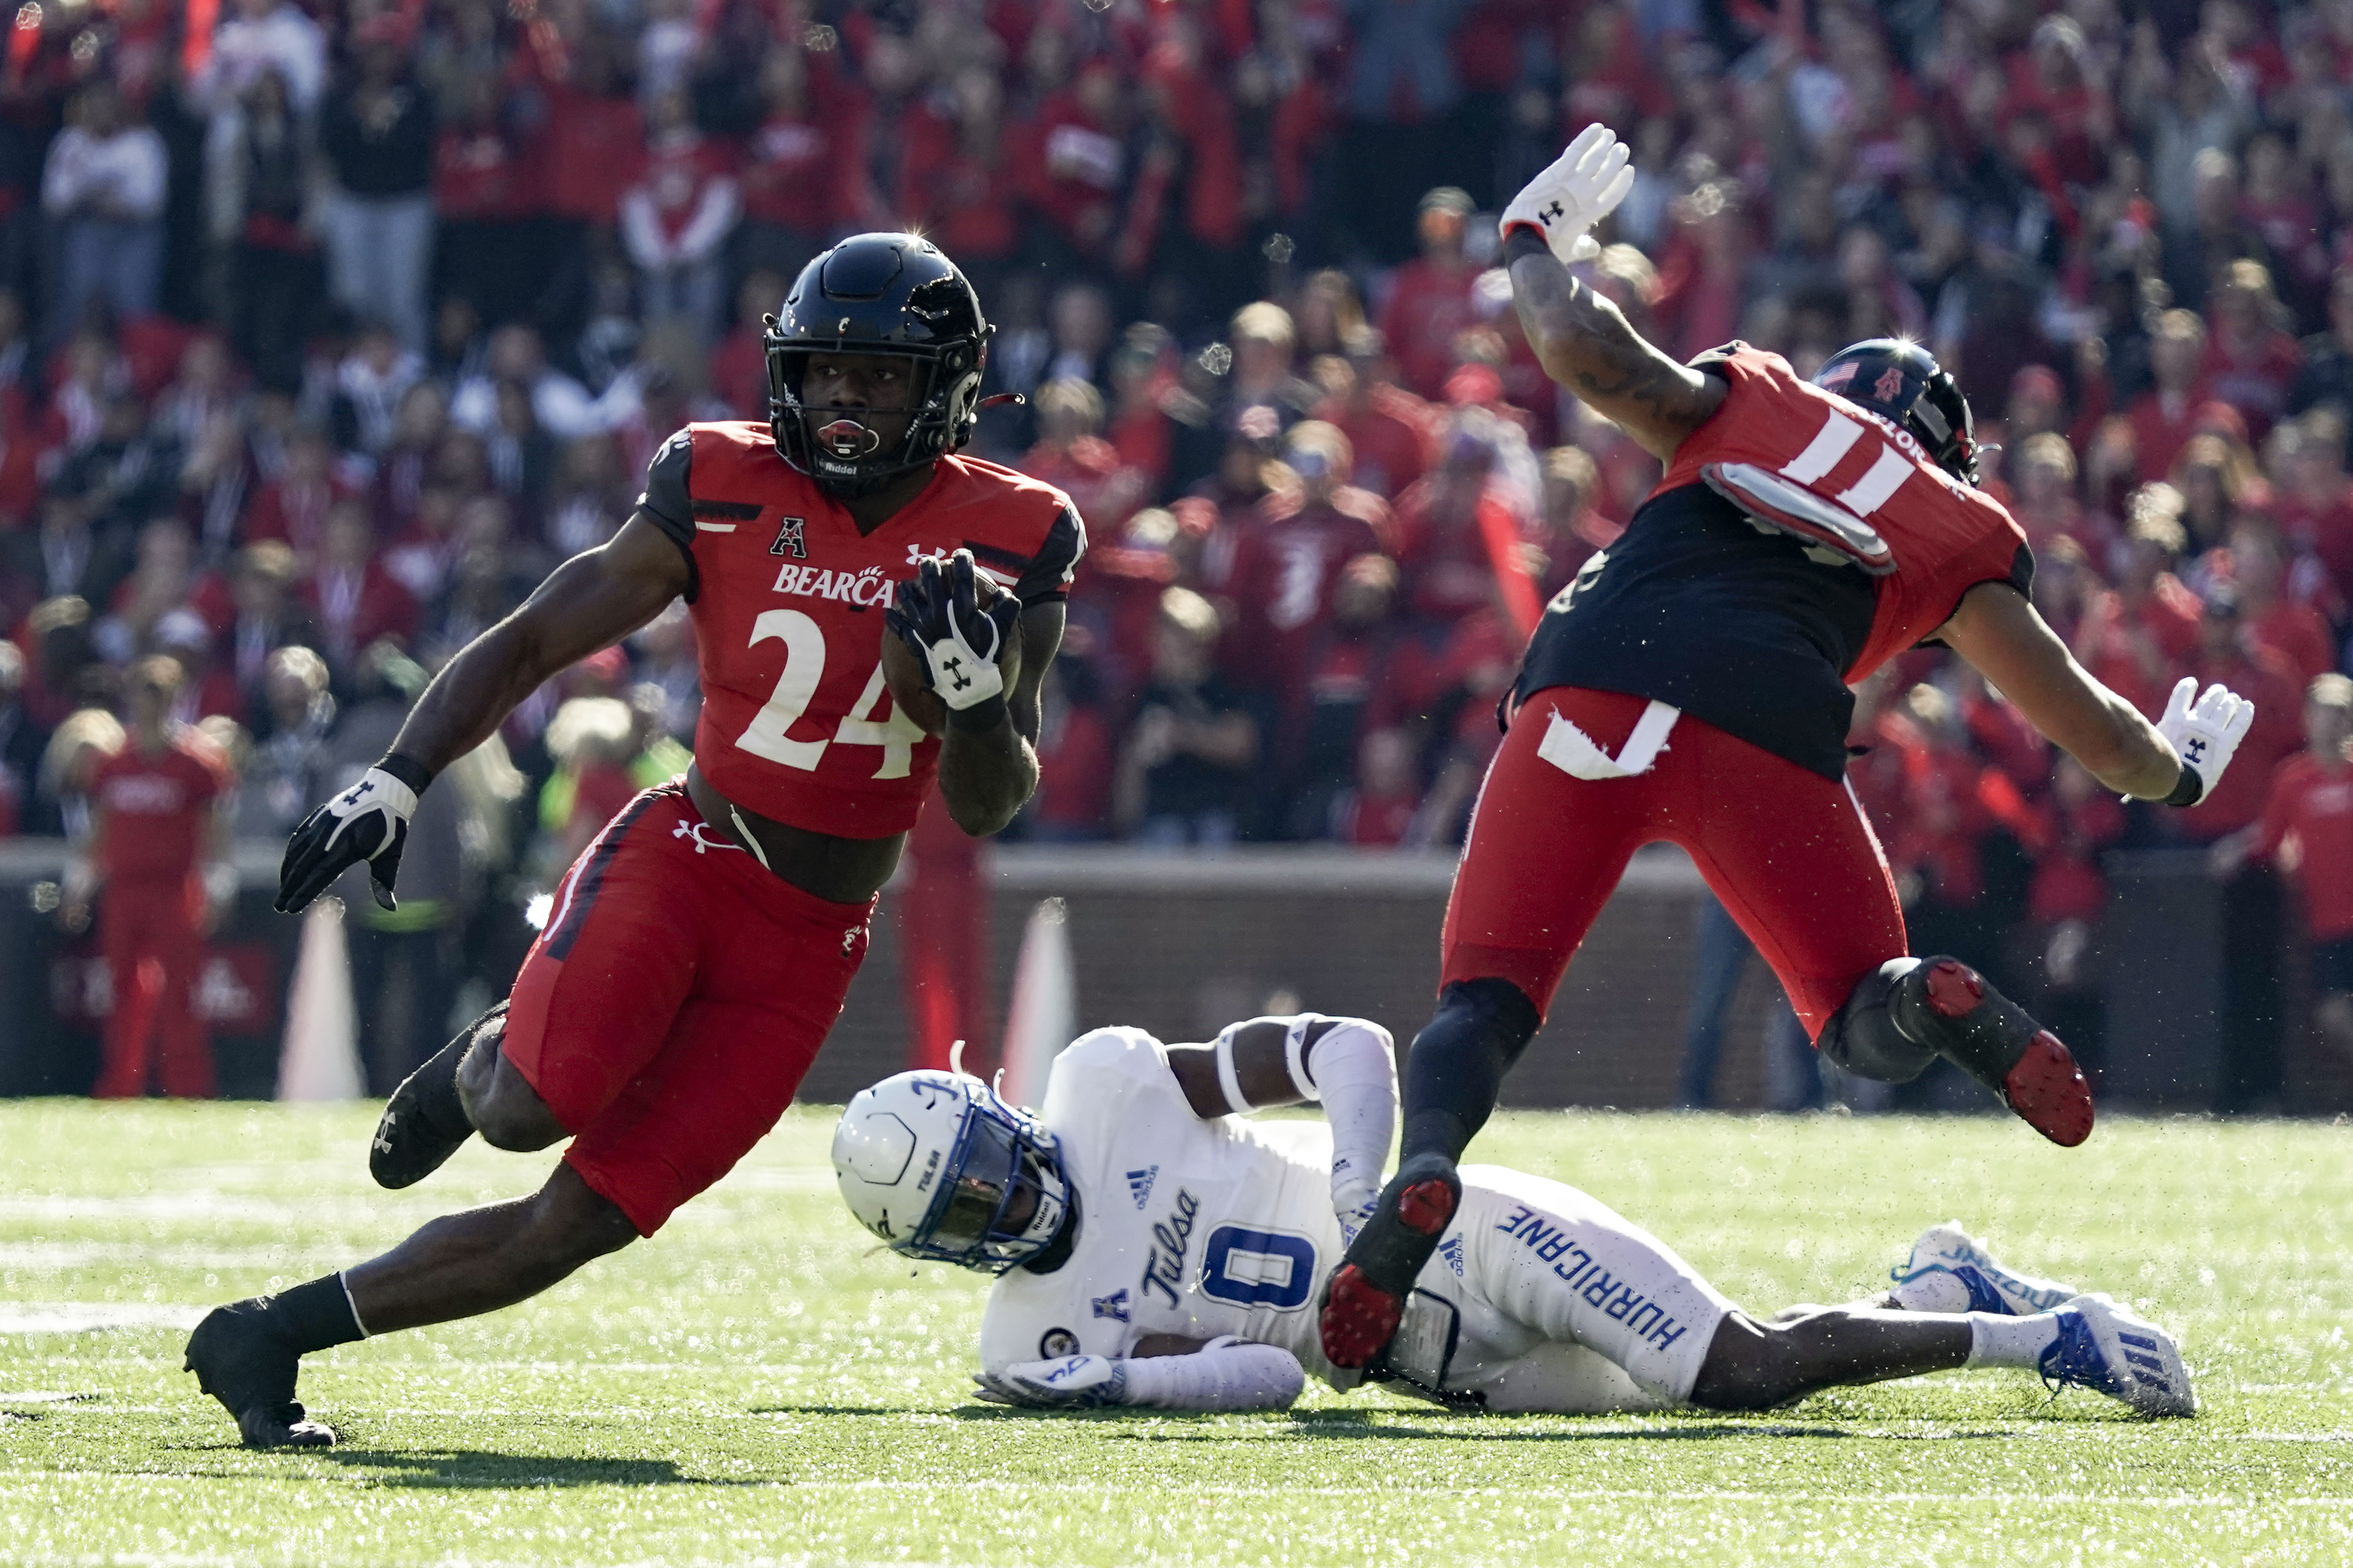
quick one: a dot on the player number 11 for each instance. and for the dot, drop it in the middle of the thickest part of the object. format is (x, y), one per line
(769, 734)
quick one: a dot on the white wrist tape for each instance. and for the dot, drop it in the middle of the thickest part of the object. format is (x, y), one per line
(1227, 1374)
(1230, 1080)
(1356, 1069)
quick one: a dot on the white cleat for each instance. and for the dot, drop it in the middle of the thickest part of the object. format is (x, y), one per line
(2102, 1346)
(1950, 1271)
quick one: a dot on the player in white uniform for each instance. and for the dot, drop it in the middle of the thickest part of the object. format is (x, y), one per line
(1153, 1248)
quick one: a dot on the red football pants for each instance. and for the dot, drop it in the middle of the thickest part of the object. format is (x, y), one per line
(1788, 850)
(152, 936)
(674, 1002)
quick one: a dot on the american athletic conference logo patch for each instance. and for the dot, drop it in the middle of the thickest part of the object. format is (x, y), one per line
(791, 540)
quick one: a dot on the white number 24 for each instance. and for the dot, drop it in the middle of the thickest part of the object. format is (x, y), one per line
(768, 735)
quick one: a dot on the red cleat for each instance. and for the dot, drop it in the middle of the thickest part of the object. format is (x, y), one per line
(1359, 1318)
(1364, 1300)
(2048, 1091)
(1948, 1006)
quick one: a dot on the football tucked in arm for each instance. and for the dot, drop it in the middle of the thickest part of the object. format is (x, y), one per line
(904, 667)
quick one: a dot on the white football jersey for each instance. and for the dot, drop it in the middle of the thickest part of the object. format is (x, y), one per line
(1186, 1225)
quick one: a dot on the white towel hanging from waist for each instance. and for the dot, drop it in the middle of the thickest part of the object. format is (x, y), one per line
(1576, 753)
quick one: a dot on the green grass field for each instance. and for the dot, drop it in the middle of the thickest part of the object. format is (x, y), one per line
(756, 1385)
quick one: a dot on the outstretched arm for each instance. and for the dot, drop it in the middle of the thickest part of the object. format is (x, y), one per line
(1581, 338)
(595, 599)
(2006, 639)
(1584, 342)
(590, 602)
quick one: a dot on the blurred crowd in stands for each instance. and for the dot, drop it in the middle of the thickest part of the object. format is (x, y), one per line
(326, 328)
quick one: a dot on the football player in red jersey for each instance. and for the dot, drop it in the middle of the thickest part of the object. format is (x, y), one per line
(1692, 685)
(700, 948)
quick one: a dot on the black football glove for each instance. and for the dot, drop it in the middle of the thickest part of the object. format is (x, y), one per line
(367, 822)
(937, 612)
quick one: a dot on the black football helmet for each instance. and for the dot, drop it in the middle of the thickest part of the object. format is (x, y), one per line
(877, 294)
(1904, 382)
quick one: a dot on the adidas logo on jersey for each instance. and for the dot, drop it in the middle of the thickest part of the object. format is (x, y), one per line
(1139, 1183)
(1453, 1253)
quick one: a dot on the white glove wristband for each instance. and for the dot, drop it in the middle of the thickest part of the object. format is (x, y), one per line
(1226, 1375)
(1580, 188)
(378, 794)
(963, 675)
(2205, 733)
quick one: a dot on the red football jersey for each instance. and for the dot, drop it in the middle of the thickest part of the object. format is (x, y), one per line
(1797, 543)
(2311, 810)
(1877, 496)
(788, 606)
(154, 810)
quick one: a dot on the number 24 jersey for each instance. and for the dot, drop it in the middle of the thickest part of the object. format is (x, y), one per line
(788, 599)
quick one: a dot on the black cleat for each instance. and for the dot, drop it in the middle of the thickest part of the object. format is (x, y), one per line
(251, 1372)
(1946, 1005)
(1365, 1300)
(424, 1123)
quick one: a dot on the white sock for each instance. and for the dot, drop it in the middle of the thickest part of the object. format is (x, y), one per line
(1998, 1341)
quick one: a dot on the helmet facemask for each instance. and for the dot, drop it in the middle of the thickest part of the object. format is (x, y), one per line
(835, 443)
(975, 1218)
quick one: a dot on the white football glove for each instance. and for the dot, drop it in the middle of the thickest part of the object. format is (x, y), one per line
(937, 613)
(367, 822)
(2205, 733)
(1583, 186)
(1068, 1383)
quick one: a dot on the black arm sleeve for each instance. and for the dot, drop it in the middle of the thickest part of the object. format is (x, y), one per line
(668, 504)
(1047, 576)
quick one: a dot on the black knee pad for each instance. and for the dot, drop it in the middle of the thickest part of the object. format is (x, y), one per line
(1862, 1036)
(1457, 1064)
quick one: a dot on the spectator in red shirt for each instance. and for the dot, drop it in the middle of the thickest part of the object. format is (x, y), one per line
(353, 599)
(2308, 830)
(157, 857)
(676, 218)
(1071, 454)
(2251, 360)
(2164, 417)
(482, 193)
(2287, 627)
(2313, 498)
(1073, 159)
(2138, 636)
(958, 181)
(1391, 430)
(1429, 301)
(294, 506)
(1379, 812)
(804, 170)
(1142, 381)
(1573, 529)
(1287, 561)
